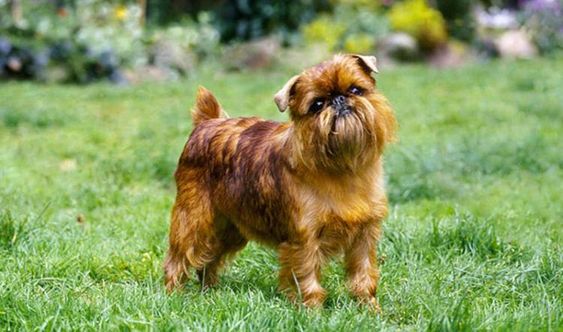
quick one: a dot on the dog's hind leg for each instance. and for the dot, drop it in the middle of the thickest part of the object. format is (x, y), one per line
(176, 264)
(192, 239)
(230, 241)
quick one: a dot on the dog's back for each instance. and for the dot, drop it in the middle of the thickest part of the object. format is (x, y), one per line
(221, 156)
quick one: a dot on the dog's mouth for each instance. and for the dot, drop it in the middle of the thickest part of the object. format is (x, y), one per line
(333, 126)
(339, 120)
(347, 135)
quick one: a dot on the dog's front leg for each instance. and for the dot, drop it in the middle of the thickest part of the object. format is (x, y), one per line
(361, 264)
(300, 270)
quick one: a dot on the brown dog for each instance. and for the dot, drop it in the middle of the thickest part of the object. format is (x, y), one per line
(311, 187)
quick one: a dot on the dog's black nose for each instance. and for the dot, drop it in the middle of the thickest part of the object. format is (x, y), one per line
(340, 105)
(338, 100)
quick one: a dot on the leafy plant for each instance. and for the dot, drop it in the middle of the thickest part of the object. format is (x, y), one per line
(91, 40)
(199, 36)
(459, 17)
(418, 19)
(250, 19)
(354, 26)
(323, 29)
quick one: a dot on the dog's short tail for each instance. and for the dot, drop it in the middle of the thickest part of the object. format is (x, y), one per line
(206, 107)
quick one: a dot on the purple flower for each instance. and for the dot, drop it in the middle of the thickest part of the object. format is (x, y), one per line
(542, 6)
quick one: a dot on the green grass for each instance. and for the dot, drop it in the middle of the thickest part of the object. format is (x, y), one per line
(473, 240)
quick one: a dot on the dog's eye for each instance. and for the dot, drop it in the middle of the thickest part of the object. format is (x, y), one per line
(316, 105)
(356, 90)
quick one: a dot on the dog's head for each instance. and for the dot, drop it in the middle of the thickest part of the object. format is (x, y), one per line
(340, 119)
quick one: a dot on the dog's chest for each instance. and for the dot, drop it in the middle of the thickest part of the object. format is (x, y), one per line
(342, 204)
(337, 213)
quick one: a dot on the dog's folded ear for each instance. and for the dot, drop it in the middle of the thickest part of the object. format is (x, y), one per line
(281, 98)
(369, 61)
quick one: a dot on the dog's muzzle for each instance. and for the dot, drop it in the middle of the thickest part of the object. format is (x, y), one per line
(340, 106)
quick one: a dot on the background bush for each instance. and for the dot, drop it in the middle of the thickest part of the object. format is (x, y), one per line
(91, 40)
(353, 26)
(459, 17)
(418, 19)
(250, 19)
(88, 40)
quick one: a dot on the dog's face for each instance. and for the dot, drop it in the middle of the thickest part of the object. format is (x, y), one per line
(340, 119)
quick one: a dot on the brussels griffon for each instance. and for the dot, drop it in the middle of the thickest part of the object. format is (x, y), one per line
(311, 187)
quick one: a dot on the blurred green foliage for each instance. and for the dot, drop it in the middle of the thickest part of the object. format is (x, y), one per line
(250, 19)
(323, 29)
(459, 17)
(87, 40)
(353, 26)
(421, 21)
(72, 41)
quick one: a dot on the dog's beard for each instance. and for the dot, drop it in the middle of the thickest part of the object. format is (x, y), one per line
(343, 142)
(346, 137)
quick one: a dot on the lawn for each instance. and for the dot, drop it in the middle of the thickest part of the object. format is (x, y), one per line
(473, 240)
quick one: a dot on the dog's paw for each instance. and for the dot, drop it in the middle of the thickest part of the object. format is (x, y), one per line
(373, 305)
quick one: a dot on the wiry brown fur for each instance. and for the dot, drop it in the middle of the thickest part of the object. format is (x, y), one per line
(311, 187)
